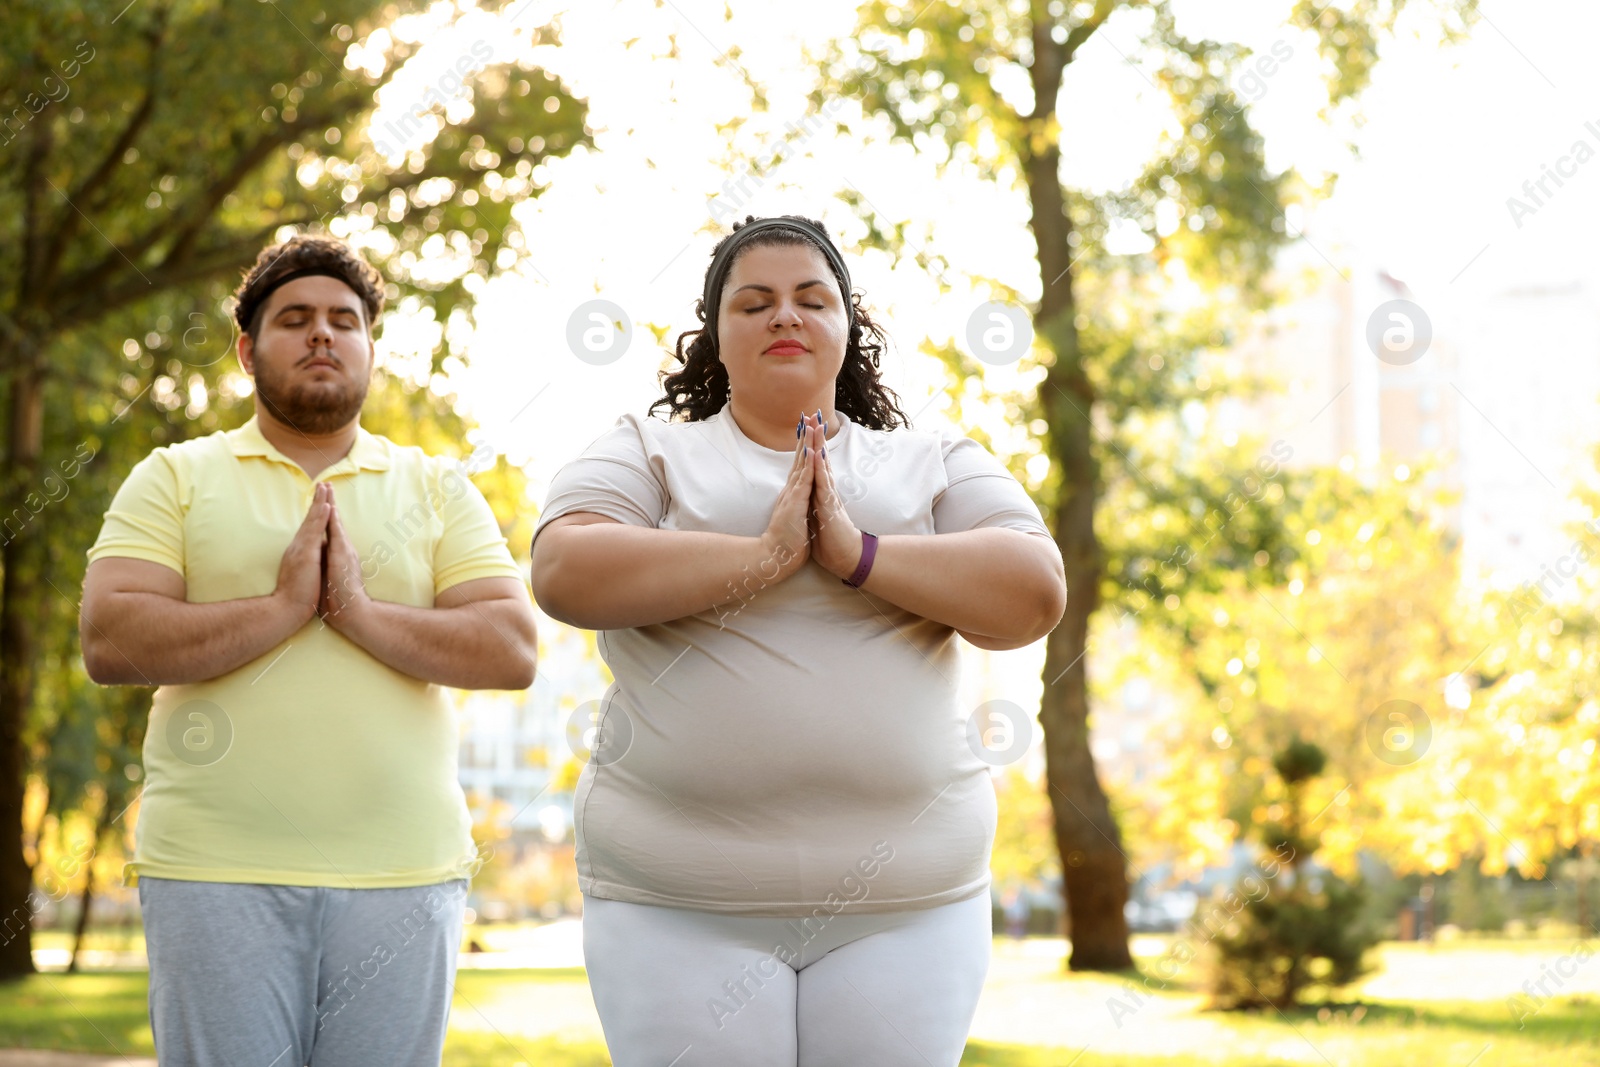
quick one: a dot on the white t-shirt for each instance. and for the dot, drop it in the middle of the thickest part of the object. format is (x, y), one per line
(764, 756)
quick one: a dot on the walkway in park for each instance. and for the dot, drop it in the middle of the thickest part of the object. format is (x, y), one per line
(1026, 999)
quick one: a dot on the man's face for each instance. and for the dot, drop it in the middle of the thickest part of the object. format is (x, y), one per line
(312, 355)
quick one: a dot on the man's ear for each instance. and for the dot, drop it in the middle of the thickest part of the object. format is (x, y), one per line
(247, 354)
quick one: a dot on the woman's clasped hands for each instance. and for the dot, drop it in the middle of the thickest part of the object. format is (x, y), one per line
(809, 519)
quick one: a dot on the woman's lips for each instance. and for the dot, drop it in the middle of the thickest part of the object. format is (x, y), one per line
(786, 348)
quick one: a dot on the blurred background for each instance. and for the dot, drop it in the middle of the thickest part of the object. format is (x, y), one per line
(1283, 311)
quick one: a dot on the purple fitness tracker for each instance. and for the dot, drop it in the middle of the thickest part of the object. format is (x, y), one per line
(869, 549)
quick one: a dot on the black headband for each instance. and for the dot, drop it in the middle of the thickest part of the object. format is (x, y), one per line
(240, 312)
(723, 260)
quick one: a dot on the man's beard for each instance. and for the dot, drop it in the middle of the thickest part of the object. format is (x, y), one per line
(311, 409)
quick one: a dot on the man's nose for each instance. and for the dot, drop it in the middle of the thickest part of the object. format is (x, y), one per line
(321, 331)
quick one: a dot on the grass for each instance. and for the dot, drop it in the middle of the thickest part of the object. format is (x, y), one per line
(105, 1013)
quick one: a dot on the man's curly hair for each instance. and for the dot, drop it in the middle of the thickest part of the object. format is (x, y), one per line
(300, 255)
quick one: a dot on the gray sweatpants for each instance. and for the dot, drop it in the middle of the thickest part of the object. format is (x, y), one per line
(705, 989)
(291, 976)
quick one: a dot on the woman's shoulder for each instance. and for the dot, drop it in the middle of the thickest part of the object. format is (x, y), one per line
(937, 439)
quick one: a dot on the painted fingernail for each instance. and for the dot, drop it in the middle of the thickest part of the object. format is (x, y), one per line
(797, 427)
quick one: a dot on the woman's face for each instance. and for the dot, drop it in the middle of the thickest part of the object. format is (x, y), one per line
(781, 325)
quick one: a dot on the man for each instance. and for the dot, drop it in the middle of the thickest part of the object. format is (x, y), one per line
(300, 590)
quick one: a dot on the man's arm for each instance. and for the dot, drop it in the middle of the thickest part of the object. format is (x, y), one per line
(479, 634)
(137, 627)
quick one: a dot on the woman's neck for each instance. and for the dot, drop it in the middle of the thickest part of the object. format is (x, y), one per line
(773, 426)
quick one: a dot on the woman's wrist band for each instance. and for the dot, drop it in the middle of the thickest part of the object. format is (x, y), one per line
(869, 549)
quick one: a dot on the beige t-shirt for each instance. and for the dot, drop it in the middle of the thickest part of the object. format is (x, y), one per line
(802, 746)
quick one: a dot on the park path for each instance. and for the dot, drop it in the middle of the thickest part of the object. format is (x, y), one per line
(35, 1058)
(1027, 1000)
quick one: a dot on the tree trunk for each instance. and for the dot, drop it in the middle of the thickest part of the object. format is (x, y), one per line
(16, 665)
(1093, 866)
(108, 811)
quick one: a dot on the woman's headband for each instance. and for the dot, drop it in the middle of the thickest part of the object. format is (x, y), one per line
(723, 261)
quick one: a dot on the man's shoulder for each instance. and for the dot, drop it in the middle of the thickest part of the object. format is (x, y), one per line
(192, 450)
(433, 465)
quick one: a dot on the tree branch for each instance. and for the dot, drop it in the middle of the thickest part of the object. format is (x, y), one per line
(1085, 29)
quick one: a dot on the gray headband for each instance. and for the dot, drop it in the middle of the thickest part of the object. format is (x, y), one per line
(723, 261)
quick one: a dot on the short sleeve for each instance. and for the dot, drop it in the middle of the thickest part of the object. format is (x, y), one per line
(145, 520)
(613, 477)
(980, 492)
(470, 545)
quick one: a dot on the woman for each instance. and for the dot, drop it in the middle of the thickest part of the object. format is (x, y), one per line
(783, 835)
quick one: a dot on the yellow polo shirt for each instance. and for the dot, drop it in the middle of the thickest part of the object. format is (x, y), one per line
(315, 764)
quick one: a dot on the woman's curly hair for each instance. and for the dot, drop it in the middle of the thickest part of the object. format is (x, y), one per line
(700, 388)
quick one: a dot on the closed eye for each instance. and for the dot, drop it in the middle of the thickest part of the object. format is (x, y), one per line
(763, 307)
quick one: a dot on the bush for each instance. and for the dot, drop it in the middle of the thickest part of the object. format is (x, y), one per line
(1305, 932)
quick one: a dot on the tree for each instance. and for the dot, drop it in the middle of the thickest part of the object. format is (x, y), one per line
(930, 74)
(1306, 934)
(1353, 646)
(150, 152)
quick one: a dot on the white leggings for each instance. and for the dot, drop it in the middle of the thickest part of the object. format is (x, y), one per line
(706, 989)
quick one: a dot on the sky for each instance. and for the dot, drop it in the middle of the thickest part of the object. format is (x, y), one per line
(1443, 139)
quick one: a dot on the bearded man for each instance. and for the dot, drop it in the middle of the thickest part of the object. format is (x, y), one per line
(301, 590)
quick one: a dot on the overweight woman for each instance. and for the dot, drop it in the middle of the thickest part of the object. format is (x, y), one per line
(782, 833)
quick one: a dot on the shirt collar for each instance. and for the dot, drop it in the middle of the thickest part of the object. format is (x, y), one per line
(369, 452)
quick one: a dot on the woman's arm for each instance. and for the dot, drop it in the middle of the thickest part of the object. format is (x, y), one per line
(999, 588)
(597, 573)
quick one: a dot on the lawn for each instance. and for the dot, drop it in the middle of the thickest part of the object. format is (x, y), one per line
(493, 1024)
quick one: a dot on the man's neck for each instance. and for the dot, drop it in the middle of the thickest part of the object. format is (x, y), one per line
(314, 453)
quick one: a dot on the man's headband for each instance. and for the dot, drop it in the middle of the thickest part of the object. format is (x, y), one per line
(245, 312)
(723, 261)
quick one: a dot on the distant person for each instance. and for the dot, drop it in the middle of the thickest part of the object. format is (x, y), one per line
(783, 834)
(301, 589)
